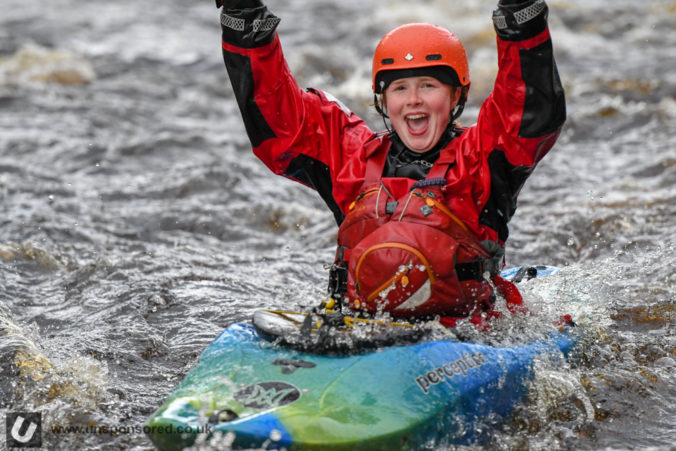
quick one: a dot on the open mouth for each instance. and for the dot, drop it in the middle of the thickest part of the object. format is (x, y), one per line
(417, 123)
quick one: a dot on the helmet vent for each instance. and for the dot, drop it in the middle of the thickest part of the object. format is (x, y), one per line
(433, 57)
(387, 61)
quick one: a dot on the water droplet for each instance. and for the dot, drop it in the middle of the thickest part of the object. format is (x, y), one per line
(275, 435)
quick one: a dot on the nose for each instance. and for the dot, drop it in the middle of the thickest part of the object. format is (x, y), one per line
(413, 96)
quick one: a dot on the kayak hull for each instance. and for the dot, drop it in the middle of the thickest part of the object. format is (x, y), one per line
(267, 396)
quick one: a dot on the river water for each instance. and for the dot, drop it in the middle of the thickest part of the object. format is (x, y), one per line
(135, 224)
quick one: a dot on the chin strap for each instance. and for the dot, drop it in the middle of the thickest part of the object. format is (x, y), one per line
(383, 115)
(455, 114)
(460, 107)
(376, 103)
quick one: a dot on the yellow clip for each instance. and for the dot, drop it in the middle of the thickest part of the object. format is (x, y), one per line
(430, 202)
(330, 303)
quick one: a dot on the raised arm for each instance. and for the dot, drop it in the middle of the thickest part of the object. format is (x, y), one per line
(522, 118)
(305, 135)
(526, 109)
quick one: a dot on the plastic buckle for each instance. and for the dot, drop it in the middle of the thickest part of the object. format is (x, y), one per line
(337, 280)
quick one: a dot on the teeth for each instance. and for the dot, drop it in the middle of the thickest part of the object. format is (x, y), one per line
(416, 116)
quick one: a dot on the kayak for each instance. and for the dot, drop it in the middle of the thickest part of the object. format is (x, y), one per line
(256, 386)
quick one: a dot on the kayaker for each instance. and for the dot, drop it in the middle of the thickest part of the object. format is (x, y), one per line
(422, 207)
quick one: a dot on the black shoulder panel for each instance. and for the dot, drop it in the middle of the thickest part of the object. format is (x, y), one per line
(506, 182)
(545, 106)
(316, 175)
(241, 77)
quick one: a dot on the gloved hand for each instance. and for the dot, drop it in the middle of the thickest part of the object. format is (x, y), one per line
(238, 4)
(520, 19)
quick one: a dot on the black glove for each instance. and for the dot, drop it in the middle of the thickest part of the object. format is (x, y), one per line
(247, 23)
(516, 20)
(238, 4)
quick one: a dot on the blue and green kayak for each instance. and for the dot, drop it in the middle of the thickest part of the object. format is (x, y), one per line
(261, 391)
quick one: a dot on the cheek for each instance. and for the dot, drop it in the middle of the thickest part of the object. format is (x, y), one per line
(442, 116)
(390, 103)
(393, 108)
(442, 107)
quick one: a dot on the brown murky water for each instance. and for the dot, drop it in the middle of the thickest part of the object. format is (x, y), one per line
(135, 223)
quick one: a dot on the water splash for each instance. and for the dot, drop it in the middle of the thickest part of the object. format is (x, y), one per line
(33, 63)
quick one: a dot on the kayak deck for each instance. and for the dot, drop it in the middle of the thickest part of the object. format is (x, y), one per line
(275, 397)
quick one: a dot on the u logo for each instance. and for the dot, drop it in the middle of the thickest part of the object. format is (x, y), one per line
(24, 429)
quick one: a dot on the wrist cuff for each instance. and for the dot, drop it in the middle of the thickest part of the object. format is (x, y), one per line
(516, 22)
(248, 28)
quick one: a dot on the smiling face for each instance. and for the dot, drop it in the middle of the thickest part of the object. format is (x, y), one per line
(419, 109)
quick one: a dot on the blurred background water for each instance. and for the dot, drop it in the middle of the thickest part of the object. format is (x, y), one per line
(135, 224)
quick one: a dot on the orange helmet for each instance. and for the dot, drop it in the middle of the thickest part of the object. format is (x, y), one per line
(420, 49)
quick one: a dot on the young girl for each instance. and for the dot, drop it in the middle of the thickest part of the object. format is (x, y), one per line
(423, 208)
